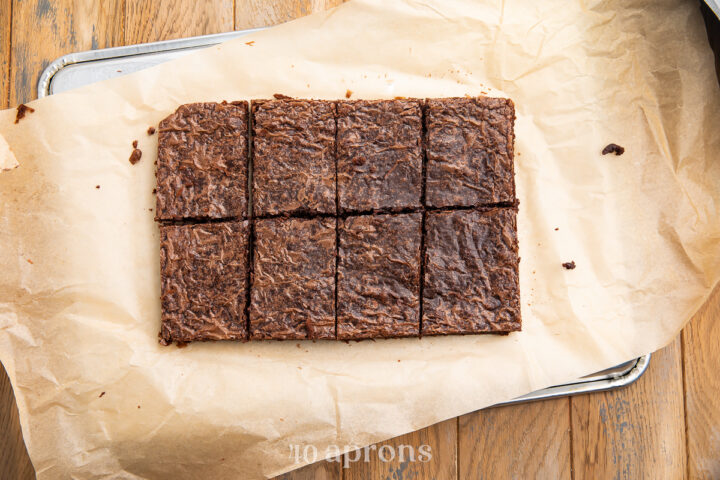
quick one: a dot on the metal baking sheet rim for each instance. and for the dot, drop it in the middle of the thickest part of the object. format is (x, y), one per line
(617, 377)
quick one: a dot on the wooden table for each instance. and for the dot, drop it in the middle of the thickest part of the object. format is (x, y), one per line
(666, 426)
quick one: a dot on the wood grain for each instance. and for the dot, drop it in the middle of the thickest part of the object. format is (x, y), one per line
(439, 464)
(701, 356)
(636, 432)
(168, 19)
(43, 30)
(5, 26)
(14, 460)
(261, 13)
(530, 440)
(316, 471)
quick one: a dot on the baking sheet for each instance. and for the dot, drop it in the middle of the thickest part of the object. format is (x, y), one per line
(79, 308)
(83, 68)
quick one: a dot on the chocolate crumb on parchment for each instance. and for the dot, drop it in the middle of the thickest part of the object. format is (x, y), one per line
(348, 94)
(22, 110)
(97, 186)
(280, 96)
(613, 148)
(569, 265)
(151, 130)
(101, 394)
(135, 156)
(135, 143)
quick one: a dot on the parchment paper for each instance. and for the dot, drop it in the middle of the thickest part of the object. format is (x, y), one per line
(79, 309)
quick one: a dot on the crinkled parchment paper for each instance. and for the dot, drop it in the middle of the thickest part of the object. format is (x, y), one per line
(79, 308)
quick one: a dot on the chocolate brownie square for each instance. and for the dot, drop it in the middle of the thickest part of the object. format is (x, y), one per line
(469, 144)
(379, 276)
(379, 154)
(203, 270)
(293, 288)
(202, 162)
(293, 156)
(471, 272)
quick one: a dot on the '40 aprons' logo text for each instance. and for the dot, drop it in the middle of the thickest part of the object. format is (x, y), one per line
(385, 453)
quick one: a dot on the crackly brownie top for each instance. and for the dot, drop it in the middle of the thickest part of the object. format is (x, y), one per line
(293, 289)
(202, 162)
(469, 146)
(203, 270)
(471, 272)
(379, 154)
(379, 276)
(294, 156)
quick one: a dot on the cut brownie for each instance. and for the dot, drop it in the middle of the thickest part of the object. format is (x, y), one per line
(293, 156)
(471, 272)
(202, 162)
(293, 289)
(379, 276)
(469, 144)
(379, 154)
(203, 272)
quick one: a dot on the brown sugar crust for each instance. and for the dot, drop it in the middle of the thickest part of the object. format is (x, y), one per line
(293, 289)
(379, 276)
(202, 162)
(203, 281)
(471, 272)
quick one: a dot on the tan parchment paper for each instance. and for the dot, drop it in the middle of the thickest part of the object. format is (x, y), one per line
(79, 308)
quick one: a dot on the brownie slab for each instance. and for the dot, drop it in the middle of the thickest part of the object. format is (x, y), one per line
(202, 163)
(379, 154)
(203, 271)
(293, 289)
(469, 144)
(379, 276)
(471, 272)
(293, 156)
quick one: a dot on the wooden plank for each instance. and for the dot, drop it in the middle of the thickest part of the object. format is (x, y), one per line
(5, 27)
(317, 471)
(168, 19)
(43, 30)
(635, 432)
(260, 13)
(14, 460)
(530, 440)
(434, 456)
(701, 356)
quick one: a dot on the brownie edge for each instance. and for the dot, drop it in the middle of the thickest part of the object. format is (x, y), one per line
(469, 144)
(293, 286)
(379, 276)
(471, 272)
(203, 271)
(202, 165)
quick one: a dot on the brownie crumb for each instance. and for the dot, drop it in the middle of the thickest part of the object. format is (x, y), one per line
(569, 265)
(101, 395)
(30, 262)
(613, 148)
(97, 186)
(138, 406)
(135, 143)
(135, 156)
(22, 110)
(250, 43)
(280, 96)
(557, 228)
(151, 130)
(154, 191)
(348, 94)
